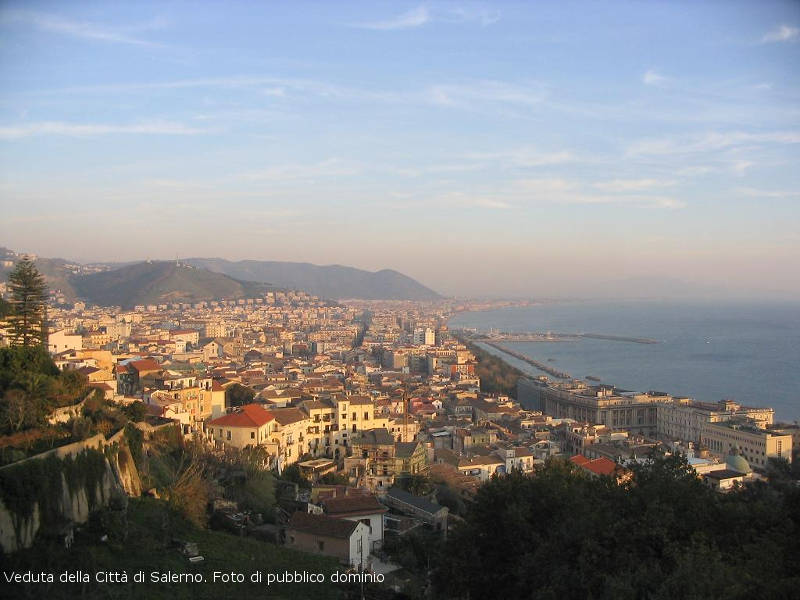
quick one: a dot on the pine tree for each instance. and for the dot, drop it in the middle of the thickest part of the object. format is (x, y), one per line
(29, 299)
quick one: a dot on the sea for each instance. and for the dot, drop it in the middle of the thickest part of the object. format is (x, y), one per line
(748, 352)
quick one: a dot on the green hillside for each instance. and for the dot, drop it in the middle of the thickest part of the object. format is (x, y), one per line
(142, 540)
(328, 281)
(159, 282)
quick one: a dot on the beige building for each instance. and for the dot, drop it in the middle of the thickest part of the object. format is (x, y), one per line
(60, 341)
(684, 418)
(598, 404)
(320, 534)
(757, 446)
(249, 426)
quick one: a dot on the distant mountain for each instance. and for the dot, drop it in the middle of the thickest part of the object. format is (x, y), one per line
(126, 284)
(156, 282)
(329, 281)
(55, 270)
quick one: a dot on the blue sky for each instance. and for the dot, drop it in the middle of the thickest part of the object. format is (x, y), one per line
(544, 148)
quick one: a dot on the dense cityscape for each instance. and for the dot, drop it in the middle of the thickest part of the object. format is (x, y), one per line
(408, 300)
(339, 429)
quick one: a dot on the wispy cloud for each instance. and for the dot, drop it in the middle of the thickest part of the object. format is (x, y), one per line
(525, 157)
(652, 77)
(414, 18)
(487, 91)
(13, 132)
(758, 193)
(632, 185)
(332, 167)
(566, 192)
(712, 141)
(464, 199)
(83, 30)
(782, 33)
(423, 15)
(470, 95)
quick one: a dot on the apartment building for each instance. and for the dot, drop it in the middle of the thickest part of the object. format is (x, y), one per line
(756, 445)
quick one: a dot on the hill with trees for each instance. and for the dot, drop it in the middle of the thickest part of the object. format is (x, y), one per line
(328, 281)
(155, 282)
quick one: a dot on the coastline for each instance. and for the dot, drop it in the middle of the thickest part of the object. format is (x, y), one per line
(698, 354)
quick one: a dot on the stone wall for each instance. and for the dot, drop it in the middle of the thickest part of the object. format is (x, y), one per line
(119, 476)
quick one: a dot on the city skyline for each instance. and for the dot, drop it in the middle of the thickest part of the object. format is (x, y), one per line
(483, 149)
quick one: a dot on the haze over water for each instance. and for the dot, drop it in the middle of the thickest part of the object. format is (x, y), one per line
(747, 352)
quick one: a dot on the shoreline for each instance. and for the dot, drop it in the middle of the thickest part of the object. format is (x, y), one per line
(708, 389)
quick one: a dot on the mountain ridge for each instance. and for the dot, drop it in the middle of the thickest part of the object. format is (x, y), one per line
(327, 281)
(333, 281)
(157, 282)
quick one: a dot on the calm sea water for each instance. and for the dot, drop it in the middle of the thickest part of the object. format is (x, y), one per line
(747, 352)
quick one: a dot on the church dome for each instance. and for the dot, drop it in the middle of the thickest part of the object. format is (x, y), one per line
(736, 462)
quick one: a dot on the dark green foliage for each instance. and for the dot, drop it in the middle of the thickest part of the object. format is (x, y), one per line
(561, 534)
(419, 485)
(29, 300)
(334, 479)
(135, 439)
(238, 395)
(497, 376)
(292, 473)
(31, 386)
(18, 364)
(135, 411)
(451, 498)
(246, 480)
(6, 309)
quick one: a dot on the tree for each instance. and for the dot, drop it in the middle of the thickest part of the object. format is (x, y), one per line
(6, 310)
(239, 395)
(29, 299)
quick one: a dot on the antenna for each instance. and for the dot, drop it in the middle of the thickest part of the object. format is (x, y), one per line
(405, 418)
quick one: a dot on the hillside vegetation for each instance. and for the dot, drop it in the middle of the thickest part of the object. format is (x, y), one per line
(663, 535)
(159, 282)
(329, 281)
(144, 536)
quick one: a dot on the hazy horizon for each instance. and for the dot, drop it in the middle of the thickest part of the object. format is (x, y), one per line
(484, 149)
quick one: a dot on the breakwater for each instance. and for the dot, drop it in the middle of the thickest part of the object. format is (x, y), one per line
(534, 336)
(535, 363)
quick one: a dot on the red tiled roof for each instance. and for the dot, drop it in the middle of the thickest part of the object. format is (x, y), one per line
(353, 505)
(579, 459)
(602, 466)
(250, 415)
(598, 466)
(147, 364)
(322, 525)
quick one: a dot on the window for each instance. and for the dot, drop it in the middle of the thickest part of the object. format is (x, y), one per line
(252, 435)
(229, 434)
(321, 546)
(355, 416)
(366, 416)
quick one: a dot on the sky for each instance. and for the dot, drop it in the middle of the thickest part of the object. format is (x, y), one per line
(507, 149)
